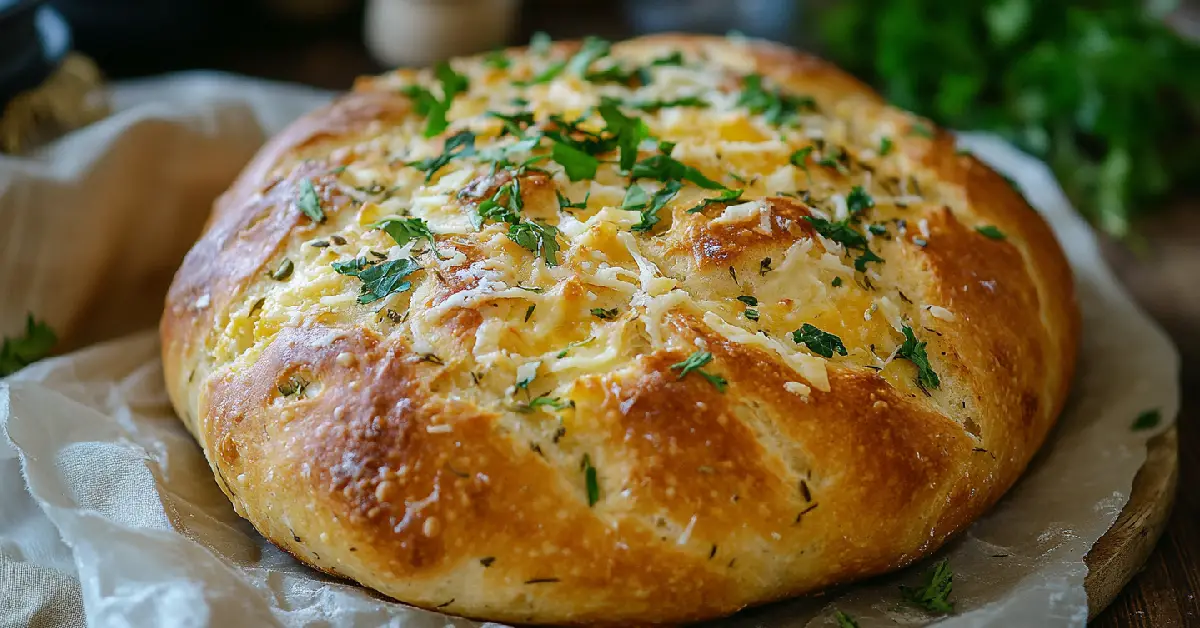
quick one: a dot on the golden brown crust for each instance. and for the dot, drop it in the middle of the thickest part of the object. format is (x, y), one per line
(384, 443)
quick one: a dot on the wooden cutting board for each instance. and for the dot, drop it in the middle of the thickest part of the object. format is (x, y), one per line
(1123, 550)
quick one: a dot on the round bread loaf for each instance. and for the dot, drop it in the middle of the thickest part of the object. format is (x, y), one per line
(641, 332)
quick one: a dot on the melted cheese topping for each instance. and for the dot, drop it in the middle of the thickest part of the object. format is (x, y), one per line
(612, 288)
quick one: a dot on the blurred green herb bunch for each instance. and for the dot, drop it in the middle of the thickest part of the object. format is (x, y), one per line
(1103, 91)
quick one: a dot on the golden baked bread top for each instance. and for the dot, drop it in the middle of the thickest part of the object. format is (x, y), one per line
(662, 300)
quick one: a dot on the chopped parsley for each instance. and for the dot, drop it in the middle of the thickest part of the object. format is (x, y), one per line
(505, 205)
(836, 159)
(877, 229)
(461, 144)
(1147, 420)
(430, 106)
(683, 101)
(590, 481)
(748, 300)
(565, 203)
(991, 231)
(819, 342)
(627, 132)
(885, 146)
(18, 352)
(405, 230)
(309, 203)
(933, 595)
(572, 345)
(497, 59)
(538, 237)
(693, 363)
(649, 207)
(844, 620)
(662, 167)
(776, 106)
(543, 401)
(578, 164)
(751, 314)
(914, 352)
(379, 279)
(514, 123)
(605, 315)
(592, 50)
(529, 312)
(726, 196)
(837, 282)
(283, 271)
(842, 233)
(859, 201)
(800, 157)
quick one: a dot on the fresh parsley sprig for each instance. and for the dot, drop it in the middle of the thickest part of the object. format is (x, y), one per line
(914, 352)
(693, 364)
(18, 352)
(934, 595)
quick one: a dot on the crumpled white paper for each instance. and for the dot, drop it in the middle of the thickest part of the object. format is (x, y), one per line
(109, 514)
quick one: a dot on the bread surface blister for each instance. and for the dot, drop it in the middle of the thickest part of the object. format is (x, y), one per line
(632, 333)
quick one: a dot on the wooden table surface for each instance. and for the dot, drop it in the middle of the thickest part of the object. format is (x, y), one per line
(1164, 279)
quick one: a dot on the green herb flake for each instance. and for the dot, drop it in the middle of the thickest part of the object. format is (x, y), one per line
(605, 315)
(662, 167)
(693, 363)
(836, 283)
(592, 50)
(461, 144)
(497, 59)
(877, 229)
(800, 157)
(933, 595)
(775, 106)
(748, 300)
(405, 230)
(728, 196)
(578, 164)
(914, 352)
(540, 238)
(591, 481)
(625, 131)
(844, 620)
(572, 345)
(543, 401)
(751, 314)
(309, 203)
(819, 342)
(657, 202)
(379, 279)
(565, 203)
(683, 101)
(885, 146)
(1147, 420)
(529, 312)
(859, 201)
(992, 232)
(20, 351)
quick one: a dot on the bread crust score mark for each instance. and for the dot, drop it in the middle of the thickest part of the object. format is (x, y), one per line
(574, 403)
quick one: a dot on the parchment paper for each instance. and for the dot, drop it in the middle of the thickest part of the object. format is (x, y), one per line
(109, 514)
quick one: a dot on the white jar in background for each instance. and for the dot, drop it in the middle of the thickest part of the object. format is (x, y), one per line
(423, 32)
